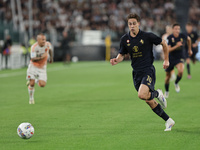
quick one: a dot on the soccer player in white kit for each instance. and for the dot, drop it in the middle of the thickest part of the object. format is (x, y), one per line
(36, 71)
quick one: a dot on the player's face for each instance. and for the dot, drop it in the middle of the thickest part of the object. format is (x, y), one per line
(133, 25)
(176, 30)
(188, 28)
(41, 39)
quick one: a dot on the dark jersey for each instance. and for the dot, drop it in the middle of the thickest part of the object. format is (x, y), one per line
(194, 36)
(140, 49)
(179, 52)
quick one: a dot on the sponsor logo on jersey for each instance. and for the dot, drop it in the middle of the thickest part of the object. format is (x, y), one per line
(128, 43)
(141, 41)
(135, 49)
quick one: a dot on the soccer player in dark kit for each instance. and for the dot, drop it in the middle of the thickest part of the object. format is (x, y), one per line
(139, 45)
(194, 39)
(176, 42)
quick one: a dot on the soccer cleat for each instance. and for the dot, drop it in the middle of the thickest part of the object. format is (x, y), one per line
(27, 83)
(169, 124)
(177, 88)
(166, 95)
(189, 76)
(161, 99)
(31, 101)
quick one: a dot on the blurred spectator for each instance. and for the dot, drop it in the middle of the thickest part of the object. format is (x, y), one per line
(66, 48)
(53, 16)
(24, 54)
(7, 50)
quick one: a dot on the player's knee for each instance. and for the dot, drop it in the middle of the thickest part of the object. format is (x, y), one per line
(180, 73)
(42, 84)
(142, 96)
(32, 84)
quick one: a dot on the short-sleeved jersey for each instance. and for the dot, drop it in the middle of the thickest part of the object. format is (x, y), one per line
(179, 52)
(140, 49)
(194, 36)
(37, 51)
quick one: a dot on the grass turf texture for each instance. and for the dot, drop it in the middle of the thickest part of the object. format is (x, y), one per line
(94, 106)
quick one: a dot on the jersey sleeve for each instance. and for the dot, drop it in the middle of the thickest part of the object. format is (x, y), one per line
(122, 49)
(154, 39)
(49, 45)
(33, 53)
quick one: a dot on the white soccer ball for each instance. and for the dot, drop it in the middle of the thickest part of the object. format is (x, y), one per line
(75, 59)
(25, 130)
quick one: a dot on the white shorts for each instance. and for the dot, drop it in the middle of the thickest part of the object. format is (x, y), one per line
(36, 73)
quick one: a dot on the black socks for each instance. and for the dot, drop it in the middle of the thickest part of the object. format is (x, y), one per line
(160, 112)
(188, 69)
(178, 79)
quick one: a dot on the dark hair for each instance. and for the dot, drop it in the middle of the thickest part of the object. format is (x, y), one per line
(175, 24)
(135, 16)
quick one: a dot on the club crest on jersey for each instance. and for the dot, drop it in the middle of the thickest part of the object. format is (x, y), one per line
(46, 50)
(173, 40)
(192, 35)
(128, 43)
(141, 41)
(135, 49)
(181, 39)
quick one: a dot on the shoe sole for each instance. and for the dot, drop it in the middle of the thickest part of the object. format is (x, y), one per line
(170, 128)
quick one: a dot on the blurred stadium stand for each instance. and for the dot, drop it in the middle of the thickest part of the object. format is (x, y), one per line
(23, 19)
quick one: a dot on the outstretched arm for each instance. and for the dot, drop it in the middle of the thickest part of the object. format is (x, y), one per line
(178, 44)
(51, 55)
(166, 54)
(189, 43)
(117, 60)
(38, 58)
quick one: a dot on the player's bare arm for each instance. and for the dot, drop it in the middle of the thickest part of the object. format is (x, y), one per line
(40, 57)
(178, 44)
(189, 42)
(194, 45)
(166, 54)
(117, 60)
(51, 55)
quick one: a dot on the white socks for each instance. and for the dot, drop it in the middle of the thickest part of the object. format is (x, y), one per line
(31, 91)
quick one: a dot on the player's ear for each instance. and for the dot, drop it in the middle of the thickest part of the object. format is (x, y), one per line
(139, 23)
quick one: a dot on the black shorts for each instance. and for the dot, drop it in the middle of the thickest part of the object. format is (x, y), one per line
(146, 77)
(194, 52)
(173, 63)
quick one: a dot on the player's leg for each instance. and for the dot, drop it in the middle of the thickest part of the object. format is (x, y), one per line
(144, 92)
(188, 68)
(31, 82)
(42, 78)
(41, 83)
(180, 67)
(31, 91)
(167, 79)
(173, 75)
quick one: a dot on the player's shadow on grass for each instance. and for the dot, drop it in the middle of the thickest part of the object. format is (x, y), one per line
(189, 130)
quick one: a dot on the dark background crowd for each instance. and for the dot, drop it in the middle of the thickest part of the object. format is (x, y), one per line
(54, 16)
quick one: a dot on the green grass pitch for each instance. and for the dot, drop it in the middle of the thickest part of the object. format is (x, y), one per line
(94, 106)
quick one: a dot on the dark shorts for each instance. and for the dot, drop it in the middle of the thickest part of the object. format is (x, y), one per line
(146, 77)
(173, 63)
(194, 52)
